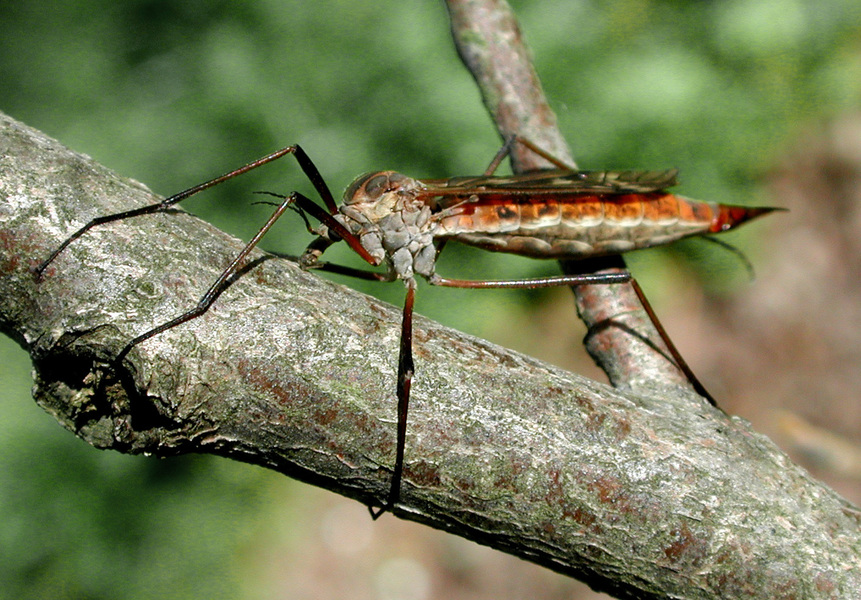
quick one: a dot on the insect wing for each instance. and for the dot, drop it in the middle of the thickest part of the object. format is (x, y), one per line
(519, 188)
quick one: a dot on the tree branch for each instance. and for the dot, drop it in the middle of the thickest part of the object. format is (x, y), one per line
(490, 44)
(641, 496)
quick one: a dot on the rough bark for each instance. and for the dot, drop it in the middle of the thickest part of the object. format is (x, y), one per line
(640, 496)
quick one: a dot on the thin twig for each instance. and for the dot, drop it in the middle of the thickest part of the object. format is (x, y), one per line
(489, 42)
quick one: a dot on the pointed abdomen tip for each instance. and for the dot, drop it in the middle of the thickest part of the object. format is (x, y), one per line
(729, 216)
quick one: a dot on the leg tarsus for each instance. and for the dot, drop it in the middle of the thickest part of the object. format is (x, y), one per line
(377, 513)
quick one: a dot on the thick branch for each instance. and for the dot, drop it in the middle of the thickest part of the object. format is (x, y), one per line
(490, 43)
(641, 496)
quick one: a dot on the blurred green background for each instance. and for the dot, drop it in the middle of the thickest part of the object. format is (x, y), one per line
(175, 92)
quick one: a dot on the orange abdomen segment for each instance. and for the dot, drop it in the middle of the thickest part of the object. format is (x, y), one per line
(581, 225)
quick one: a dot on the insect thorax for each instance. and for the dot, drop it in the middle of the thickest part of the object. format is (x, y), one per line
(391, 222)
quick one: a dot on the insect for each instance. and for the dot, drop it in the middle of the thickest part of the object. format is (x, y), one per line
(402, 223)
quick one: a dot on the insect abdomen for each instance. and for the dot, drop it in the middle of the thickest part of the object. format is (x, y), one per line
(541, 226)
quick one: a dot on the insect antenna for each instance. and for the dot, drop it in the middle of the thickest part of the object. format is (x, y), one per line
(292, 207)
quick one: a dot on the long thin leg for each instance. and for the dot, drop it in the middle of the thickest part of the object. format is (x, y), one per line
(579, 279)
(545, 155)
(405, 357)
(216, 288)
(235, 266)
(590, 279)
(405, 378)
(304, 161)
(352, 272)
(303, 203)
(681, 363)
(505, 150)
(538, 282)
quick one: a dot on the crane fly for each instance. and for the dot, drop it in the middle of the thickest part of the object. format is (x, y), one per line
(403, 223)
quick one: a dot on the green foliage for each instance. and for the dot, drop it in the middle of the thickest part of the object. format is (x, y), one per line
(78, 523)
(173, 93)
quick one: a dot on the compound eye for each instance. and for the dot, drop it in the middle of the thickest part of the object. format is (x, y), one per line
(356, 193)
(370, 187)
(377, 185)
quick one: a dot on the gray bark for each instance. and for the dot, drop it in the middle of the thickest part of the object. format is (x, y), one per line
(645, 495)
